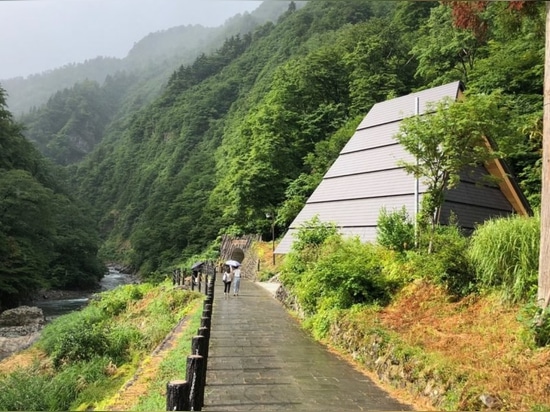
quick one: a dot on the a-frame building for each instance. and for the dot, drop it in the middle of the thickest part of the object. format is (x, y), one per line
(366, 178)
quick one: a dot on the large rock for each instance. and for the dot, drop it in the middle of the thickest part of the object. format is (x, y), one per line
(22, 316)
(19, 328)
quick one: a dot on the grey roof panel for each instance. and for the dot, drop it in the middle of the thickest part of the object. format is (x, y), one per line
(380, 158)
(375, 136)
(354, 212)
(483, 196)
(405, 106)
(469, 216)
(377, 184)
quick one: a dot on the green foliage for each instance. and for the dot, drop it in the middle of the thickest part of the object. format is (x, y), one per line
(46, 237)
(537, 322)
(32, 389)
(394, 230)
(114, 302)
(320, 323)
(78, 336)
(445, 53)
(505, 255)
(90, 333)
(83, 346)
(447, 264)
(305, 249)
(449, 140)
(72, 122)
(344, 273)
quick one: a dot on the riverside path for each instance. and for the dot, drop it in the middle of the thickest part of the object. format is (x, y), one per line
(261, 360)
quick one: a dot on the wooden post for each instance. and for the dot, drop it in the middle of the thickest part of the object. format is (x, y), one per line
(205, 322)
(204, 350)
(177, 396)
(198, 345)
(544, 254)
(203, 331)
(194, 375)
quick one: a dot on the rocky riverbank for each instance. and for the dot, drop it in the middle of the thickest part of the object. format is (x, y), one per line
(19, 328)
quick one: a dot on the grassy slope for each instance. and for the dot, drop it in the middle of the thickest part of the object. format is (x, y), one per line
(476, 338)
(477, 342)
(480, 339)
(139, 380)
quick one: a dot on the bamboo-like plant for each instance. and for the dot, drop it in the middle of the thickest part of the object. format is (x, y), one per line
(505, 255)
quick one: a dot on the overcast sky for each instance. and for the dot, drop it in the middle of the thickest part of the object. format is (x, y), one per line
(39, 35)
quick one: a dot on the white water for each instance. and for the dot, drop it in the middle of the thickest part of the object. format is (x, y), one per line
(57, 307)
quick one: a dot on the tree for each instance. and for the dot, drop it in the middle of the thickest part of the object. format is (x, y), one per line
(465, 17)
(447, 141)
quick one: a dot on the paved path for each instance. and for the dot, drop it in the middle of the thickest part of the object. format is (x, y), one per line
(261, 360)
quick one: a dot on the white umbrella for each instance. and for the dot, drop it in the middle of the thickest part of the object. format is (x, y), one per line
(233, 263)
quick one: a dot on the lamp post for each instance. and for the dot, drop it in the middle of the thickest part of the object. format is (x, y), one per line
(272, 217)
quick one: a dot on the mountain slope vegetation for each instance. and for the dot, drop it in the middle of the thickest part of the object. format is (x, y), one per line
(47, 237)
(252, 125)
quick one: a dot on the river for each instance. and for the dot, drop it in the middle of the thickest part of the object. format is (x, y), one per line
(57, 307)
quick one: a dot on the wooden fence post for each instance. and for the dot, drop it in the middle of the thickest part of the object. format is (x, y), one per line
(194, 375)
(177, 396)
(205, 322)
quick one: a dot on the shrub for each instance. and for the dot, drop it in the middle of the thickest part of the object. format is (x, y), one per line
(22, 390)
(31, 389)
(505, 255)
(63, 325)
(305, 250)
(121, 340)
(347, 272)
(82, 342)
(394, 230)
(537, 322)
(447, 264)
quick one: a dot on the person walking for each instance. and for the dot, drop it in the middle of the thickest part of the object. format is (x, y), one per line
(236, 281)
(227, 277)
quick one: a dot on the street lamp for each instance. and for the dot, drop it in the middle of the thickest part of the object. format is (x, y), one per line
(271, 216)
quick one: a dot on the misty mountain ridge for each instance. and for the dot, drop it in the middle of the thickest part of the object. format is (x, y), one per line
(156, 55)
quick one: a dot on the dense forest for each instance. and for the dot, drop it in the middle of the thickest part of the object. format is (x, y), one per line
(47, 237)
(250, 127)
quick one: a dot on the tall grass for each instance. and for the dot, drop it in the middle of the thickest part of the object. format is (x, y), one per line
(86, 347)
(505, 254)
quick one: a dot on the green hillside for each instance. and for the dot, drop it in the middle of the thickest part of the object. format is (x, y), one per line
(251, 125)
(47, 236)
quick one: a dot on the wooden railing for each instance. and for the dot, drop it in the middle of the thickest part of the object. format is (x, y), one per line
(188, 394)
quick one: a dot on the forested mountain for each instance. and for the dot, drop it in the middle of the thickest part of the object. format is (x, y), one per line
(252, 126)
(47, 238)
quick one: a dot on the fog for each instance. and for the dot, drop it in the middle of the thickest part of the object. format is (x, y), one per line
(41, 35)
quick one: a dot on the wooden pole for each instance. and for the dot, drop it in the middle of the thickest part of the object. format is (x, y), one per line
(205, 322)
(544, 257)
(177, 396)
(194, 375)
